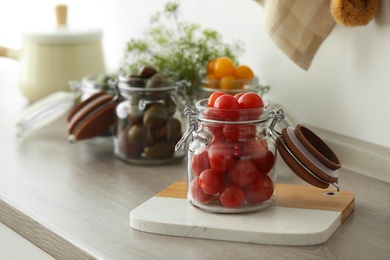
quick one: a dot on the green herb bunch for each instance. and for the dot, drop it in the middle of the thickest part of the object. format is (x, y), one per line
(177, 48)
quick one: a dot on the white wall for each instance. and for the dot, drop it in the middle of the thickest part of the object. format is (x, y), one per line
(346, 90)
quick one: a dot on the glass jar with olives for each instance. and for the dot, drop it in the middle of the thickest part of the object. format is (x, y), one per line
(92, 84)
(149, 119)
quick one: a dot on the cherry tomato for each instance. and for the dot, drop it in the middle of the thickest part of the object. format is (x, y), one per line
(232, 196)
(239, 132)
(210, 66)
(250, 100)
(223, 66)
(221, 156)
(252, 106)
(260, 190)
(227, 83)
(197, 193)
(238, 95)
(211, 81)
(243, 172)
(243, 72)
(213, 97)
(265, 163)
(211, 181)
(225, 104)
(211, 114)
(217, 131)
(254, 149)
(200, 161)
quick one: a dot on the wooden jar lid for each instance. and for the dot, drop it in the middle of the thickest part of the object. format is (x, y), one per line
(92, 117)
(308, 156)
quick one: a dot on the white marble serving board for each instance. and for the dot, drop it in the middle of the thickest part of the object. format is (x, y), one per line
(277, 225)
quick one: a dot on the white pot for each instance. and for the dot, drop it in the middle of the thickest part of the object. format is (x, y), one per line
(50, 59)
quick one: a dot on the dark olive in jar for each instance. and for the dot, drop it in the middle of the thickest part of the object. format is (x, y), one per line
(160, 151)
(156, 115)
(126, 146)
(136, 134)
(158, 80)
(147, 72)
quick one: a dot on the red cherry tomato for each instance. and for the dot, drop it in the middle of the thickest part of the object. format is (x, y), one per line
(216, 130)
(200, 161)
(243, 172)
(265, 163)
(226, 102)
(260, 190)
(255, 148)
(197, 193)
(221, 156)
(228, 107)
(239, 132)
(250, 100)
(232, 196)
(213, 97)
(238, 95)
(211, 181)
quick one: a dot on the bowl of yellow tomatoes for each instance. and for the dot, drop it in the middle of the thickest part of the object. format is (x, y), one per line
(222, 74)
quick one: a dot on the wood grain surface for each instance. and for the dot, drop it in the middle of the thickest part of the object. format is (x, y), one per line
(292, 196)
(73, 201)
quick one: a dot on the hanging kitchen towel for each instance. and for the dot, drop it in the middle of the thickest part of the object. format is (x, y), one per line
(354, 12)
(298, 27)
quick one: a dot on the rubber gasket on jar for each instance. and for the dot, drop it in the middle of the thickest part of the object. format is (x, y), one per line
(307, 158)
(297, 168)
(318, 148)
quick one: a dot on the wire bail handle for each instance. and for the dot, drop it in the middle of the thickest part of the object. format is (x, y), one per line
(192, 126)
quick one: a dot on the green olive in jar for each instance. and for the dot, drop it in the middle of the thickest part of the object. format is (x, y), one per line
(158, 80)
(136, 134)
(155, 115)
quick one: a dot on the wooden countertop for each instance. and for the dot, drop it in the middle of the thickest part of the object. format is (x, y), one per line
(73, 201)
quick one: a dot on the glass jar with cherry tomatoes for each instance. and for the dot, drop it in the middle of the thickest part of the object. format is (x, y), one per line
(231, 156)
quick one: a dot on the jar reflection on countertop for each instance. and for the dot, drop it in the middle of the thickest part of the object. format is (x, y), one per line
(149, 121)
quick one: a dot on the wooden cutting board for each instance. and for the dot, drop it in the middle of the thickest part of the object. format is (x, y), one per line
(301, 215)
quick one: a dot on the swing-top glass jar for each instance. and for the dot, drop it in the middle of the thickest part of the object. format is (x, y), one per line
(149, 121)
(231, 158)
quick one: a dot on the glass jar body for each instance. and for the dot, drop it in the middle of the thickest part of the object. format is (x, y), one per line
(231, 166)
(93, 84)
(148, 125)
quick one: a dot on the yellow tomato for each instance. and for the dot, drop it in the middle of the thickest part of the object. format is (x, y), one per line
(243, 72)
(211, 81)
(227, 83)
(223, 67)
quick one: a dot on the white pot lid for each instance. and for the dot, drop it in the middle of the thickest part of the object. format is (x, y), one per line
(64, 35)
